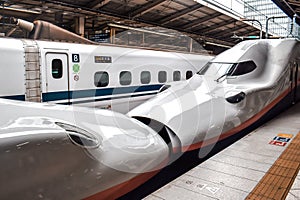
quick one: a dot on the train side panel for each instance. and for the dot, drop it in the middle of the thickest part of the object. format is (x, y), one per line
(12, 65)
(110, 77)
(101, 76)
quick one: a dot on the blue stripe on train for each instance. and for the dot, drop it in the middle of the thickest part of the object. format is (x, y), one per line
(109, 98)
(56, 96)
(15, 97)
(65, 95)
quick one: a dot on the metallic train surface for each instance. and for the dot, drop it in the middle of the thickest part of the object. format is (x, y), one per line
(230, 93)
(60, 152)
(69, 152)
(84, 73)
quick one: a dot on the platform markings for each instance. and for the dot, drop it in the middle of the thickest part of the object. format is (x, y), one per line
(213, 190)
(278, 181)
(201, 186)
(281, 139)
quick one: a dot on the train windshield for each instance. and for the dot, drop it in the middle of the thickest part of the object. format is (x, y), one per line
(216, 69)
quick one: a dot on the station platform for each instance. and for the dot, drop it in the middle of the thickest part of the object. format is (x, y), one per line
(262, 165)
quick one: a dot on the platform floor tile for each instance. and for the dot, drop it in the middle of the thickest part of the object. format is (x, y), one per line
(238, 171)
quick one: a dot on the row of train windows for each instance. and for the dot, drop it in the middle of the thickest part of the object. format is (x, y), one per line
(101, 78)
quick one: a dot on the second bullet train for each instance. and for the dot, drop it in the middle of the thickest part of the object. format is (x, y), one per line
(80, 72)
(56, 151)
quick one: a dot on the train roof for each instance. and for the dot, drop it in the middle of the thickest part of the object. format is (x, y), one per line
(66, 43)
(240, 52)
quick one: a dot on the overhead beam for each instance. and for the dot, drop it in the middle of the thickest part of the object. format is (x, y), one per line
(199, 21)
(294, 3)
(20, 10)
(9, 33)
(216, 33)
(98, 4)
(286, 7)
(215, 26)
(179, 14)
(241, 34)
(231, 31)
(52, 4)
(145, 8)
(248, 32)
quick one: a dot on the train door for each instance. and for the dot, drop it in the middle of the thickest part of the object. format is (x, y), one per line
(57, 73)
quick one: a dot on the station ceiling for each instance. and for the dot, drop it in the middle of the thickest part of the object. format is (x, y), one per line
(199, 21)
(290, 7)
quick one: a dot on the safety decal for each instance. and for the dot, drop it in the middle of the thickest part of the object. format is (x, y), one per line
(76, 78)
(76, 68)
(285, 135)
(281, 139)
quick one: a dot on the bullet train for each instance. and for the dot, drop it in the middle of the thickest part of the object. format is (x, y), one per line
(65, 152)
(69, 152)
(233, 91)
(80, 72)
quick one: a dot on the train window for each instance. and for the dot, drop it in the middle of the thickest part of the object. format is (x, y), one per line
(176, 76)
(57, 68)
(212, 69)
(162, 76)
(145, 77)
(101, 79)
(125, 78)
(188, 75)
(243, 68)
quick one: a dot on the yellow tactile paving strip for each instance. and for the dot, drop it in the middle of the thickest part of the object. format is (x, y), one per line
(277, 182)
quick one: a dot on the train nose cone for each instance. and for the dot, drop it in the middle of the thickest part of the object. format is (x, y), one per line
(115, 140)
(61, 152)
(190, 109)
(127, 145)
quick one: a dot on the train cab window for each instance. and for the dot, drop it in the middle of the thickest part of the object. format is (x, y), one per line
(176, 76)
(162, 76)
(57, 68)
(125, 78)
(243, 68)
(101, 79)
(145, 77)
(188, 75)
(216, 69)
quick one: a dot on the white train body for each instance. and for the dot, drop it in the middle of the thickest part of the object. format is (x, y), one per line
(89, 75)
(231, 93)
(63, 152)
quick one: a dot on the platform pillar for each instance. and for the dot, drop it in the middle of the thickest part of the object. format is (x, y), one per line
(79, 26)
